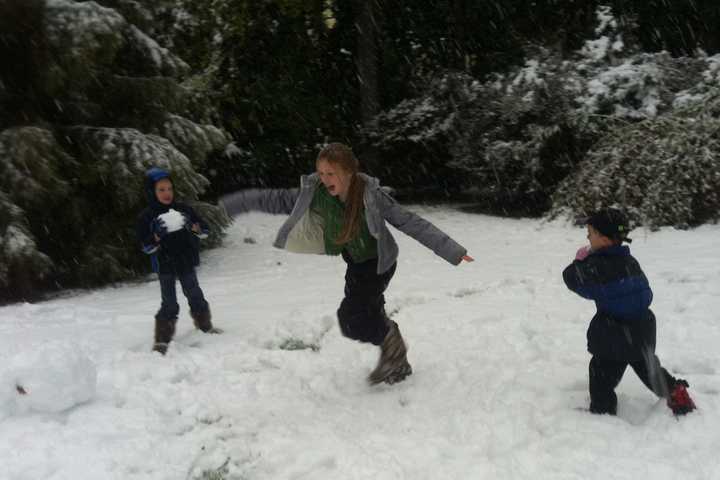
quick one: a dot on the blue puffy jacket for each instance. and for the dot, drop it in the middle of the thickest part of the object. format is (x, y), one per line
(623, 328)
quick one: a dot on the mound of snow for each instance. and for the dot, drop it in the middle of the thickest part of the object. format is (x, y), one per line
(51, 377)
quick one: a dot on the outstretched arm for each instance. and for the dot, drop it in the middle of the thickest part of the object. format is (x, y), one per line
(263, 200)
(421, 230)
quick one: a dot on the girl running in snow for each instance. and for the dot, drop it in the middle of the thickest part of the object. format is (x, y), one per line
(340, 211)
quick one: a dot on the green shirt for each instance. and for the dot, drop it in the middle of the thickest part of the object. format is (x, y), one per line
(362, 247)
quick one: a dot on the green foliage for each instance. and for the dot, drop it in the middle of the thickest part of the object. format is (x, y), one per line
(413, 139)
(22, 264)
(25, 54)
(30, 163)
(520, 137)
(292, 99)
(679, 26)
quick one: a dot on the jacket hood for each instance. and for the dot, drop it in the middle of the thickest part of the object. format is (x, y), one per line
(152, 176)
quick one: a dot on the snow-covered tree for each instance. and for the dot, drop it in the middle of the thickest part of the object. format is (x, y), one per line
(106, 102)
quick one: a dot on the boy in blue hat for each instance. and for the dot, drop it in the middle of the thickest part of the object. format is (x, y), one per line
(622, 332)
(169, 232)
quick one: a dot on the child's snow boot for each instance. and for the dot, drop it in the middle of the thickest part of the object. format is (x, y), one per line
(679, 400)
(164, 331)
(393, 366)
(203, 322)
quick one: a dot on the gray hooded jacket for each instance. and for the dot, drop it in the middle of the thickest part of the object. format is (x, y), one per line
(302, 232)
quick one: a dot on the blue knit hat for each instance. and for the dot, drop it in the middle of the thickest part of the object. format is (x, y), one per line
(156, 173)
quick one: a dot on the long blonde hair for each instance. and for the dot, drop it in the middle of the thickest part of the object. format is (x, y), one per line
(341, 155)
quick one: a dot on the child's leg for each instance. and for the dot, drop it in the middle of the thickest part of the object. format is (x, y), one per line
(169, 307)
(362, 317)
(664, 385)
(604, 376)
(192, 291)
(362, 314)
(166, 317)
(653, 375)
(199, 308)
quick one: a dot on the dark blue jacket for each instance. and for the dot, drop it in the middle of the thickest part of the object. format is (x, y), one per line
(623, 328)
(178, 251)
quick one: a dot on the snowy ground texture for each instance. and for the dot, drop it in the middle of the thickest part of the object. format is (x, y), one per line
(498, 349)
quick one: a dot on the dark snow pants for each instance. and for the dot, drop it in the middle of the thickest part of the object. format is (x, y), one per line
(362, 314)
(169, 308)
(605, 375)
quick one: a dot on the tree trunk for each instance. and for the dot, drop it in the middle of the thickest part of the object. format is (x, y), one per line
(366, 58)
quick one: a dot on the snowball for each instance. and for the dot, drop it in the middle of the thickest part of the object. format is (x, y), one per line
(54, 377)
(173, 219)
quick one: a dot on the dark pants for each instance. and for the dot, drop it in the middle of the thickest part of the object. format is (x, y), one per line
(362, 314)
(605, 375)
(169, 308)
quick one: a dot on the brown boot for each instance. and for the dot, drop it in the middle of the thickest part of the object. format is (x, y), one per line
(164, 331)
(393, 366)
(203, 322)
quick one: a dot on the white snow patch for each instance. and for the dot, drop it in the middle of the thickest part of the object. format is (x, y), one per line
(49, 377)
(497, 346)
(16, 241)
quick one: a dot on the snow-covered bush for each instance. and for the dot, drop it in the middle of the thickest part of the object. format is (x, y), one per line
(116, 159)
(238, 166)
(511, 139)
(197, 142)
(664, 171)
(519, 136)
(642, 86)
(31, 184)
(412, 140)
(22, 264)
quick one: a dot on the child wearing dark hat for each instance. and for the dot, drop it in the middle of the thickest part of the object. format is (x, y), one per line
(169, 232)
(623, 330)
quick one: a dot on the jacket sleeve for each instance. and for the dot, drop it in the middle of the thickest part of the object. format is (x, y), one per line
(148, 244)
(194, 218)
(263, 200)
(581, 276)
(420, 229)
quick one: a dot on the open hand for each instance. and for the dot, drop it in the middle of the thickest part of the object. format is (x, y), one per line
(468, 258)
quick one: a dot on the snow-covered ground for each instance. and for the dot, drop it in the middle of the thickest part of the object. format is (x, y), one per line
(497, 346)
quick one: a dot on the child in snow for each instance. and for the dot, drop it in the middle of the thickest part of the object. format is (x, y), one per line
(622, 332)
(341, 211)
(169, 231)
